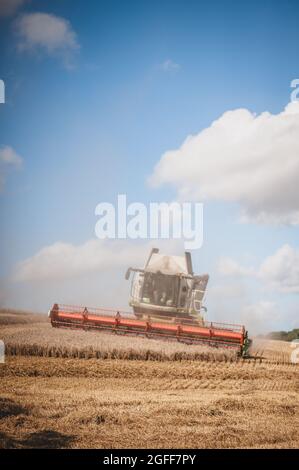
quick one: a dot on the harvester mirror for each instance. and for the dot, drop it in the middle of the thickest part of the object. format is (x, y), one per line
(127, 276)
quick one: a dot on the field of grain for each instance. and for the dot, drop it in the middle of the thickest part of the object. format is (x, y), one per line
(207, 401)
(39, 338)
(33, 335)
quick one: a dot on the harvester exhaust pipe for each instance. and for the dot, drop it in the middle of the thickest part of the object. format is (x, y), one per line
(153, 251)
(189, 263)
(129, 270)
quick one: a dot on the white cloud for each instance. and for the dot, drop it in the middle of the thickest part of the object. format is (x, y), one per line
(9, 7)
(279, 271)
(227, 291)
(242, 157)
(92, 274)
(169, 66)
(8, 158)
(229, 267)
(64, 260)
(46, 32)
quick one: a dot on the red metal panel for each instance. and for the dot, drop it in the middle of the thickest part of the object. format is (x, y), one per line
(102, 318)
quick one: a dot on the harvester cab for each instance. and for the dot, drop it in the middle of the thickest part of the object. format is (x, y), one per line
(167, 288)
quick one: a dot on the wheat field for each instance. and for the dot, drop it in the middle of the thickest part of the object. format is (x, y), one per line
(210, 400)
(39, 338)
(32, 335)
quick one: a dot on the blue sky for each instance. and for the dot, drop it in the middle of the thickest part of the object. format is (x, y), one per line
(91, 119)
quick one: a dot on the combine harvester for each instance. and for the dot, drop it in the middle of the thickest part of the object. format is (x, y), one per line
(167, 302)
